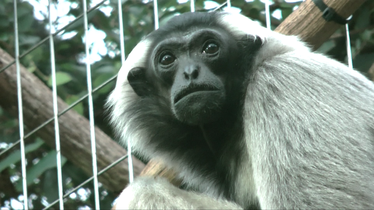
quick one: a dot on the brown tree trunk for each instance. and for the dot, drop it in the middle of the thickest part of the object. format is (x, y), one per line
(74, 128)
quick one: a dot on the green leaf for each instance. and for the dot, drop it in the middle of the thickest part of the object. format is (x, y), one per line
(79, 107)
(25, 23)
(4, 23)
(366, 35)
(165, 19)
(15, 156)
(105, 69)
(286, 12)
(326, 47)
(23, 10)
(257, 4)
(61, 78)
(363, 19)
(50, 184)
(47, 162)
(28, 39)
(100, 80)
(4, 36)
(363, 62)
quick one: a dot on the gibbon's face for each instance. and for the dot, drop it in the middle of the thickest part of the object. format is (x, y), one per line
(192, 67)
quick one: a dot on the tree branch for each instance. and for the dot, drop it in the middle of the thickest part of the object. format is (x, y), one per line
(74, 128)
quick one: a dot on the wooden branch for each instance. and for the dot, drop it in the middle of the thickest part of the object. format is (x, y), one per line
(74, 128)
(306, 22)
(158, 168)
(371, 75)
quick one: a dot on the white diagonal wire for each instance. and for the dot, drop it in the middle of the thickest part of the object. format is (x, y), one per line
(122, 44)
(55, 108)
(20, 110)
(90, 107)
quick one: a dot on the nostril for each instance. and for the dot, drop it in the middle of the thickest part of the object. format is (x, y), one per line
(186, 75)
(195, 74)
(191, 73)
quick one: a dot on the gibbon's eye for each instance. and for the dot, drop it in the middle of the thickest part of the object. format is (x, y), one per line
(211, 48)
(167, 59)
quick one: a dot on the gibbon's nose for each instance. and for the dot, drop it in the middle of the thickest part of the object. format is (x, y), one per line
(191, 72)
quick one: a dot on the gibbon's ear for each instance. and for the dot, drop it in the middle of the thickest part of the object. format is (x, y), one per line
(138, 81)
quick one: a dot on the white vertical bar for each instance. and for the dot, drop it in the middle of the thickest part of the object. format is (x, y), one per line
(267, 14)
(129, 159)
(20, 110)
(121, 32)
(55, 108)
(155, 10)
(348, 45)
(229, 4)
(90, 107)
(122, 44)
(192, 6)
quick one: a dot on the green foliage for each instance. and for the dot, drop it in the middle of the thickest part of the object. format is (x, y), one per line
(15, 156)
(45, 163)
(61, 78)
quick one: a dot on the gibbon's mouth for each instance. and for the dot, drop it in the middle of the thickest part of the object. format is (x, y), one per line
(193, 89)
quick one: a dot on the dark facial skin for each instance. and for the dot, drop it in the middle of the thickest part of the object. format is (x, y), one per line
(193, 68)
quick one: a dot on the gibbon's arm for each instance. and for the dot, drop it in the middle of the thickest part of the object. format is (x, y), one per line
(158, 193)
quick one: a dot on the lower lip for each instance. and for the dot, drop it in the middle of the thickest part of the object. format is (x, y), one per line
(196, 93)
